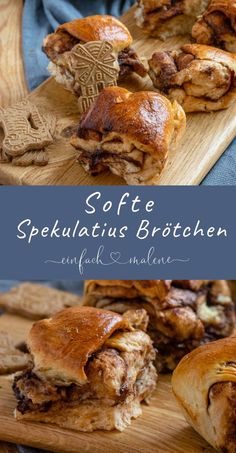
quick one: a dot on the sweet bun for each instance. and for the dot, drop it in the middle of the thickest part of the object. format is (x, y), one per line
(204, 384)
(62, 345)
(129, 133)
(201, 78)
(99, 28)
(91, 369)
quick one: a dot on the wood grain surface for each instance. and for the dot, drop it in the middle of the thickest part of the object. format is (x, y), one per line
(161, 428)
(12, 78)
(206, 138)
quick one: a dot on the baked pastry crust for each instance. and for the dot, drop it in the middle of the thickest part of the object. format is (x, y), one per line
(62, 345)
(94, 28)
(130, 134)
(201, 78)
(182, 314)
(34, 301)
(166, 18)
(204, 384)
(217, 26)
(58, 45)
(91, 370)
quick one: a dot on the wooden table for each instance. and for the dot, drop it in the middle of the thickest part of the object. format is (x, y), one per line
(12, 78)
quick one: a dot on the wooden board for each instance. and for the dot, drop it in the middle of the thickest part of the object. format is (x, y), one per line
(161, 428)
(12, 79)
(206, 138)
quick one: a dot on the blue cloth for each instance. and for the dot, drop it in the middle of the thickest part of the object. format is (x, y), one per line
(224, 171)
(41, 17)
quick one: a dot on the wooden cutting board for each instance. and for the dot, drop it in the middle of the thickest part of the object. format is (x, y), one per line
(161, 428)
(206, 138)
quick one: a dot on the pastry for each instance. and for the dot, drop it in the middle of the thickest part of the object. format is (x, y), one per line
(58, 47)
(165, 18)
(91, 370)
(181, 316)
(204, 384)
(201, 78)
(11, 358)
(34, 301)
(217, 26)
(128, 133)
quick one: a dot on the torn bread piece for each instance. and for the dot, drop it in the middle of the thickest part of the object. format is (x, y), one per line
(217, 26)
(59, 45)
(34, 301)
(165, 18)
(91, 370)
(204, 384)
(12, 359)
(182, 314)
(131, 134)
(200, 78)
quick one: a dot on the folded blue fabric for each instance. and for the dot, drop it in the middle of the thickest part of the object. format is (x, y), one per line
(41, 17)
(224, 171)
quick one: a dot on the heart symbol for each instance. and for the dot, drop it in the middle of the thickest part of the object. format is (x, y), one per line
(115, 256)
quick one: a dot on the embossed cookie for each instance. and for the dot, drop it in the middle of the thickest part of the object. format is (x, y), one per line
(40, 158)
(25, 130)
(34, 301)
(89, 68)
(11, 358)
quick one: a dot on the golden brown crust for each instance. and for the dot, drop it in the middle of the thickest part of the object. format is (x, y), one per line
(193, 381)
(145, 117)
(129, 134)
(99, 28)
(62, 345)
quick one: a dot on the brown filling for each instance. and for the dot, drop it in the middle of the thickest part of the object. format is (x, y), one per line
(177, 325)
(168, 10)
(219, 25)
(168, 72)
(99, 160)
(113, 376)
(223, 396)
(129, 62)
